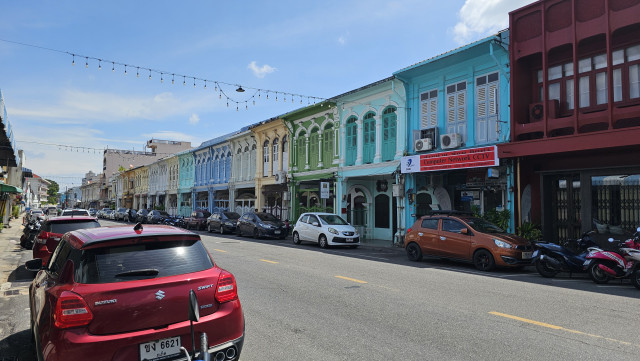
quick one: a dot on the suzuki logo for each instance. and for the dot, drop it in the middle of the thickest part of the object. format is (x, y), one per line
(160, 295)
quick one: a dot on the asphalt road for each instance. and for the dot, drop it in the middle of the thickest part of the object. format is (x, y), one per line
(305, 303)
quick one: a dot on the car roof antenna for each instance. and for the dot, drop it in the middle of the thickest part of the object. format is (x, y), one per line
(138, 227)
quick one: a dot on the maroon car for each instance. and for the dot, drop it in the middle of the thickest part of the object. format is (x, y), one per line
(198, 219)
(122, 293)
(53, 229)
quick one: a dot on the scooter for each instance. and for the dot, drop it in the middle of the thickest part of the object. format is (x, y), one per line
(29, 234)
(603, 265)
(551, 258)
(194, 316)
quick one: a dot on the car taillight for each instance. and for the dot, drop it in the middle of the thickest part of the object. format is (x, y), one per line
(227, 290)
(42, 237)
(72, 311)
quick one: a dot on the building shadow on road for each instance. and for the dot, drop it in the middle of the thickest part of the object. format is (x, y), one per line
(17, 347)
(397, 256)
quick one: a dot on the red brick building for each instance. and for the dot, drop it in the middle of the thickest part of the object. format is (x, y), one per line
(575, 115)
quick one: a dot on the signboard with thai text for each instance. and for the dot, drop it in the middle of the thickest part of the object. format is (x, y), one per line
(455, 159)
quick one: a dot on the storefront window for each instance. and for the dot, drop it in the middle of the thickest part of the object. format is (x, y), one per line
(615, 203)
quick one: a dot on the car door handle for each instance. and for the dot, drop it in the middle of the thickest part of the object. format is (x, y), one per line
(443, 238)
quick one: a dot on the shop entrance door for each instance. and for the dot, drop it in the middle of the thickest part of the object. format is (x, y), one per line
(565, 206)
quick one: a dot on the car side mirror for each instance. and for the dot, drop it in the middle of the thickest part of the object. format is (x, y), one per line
(34, 265)
(316, 224)
(464, 231)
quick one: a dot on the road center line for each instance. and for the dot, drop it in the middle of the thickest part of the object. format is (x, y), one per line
(266, 260)
(351, 279)
(548, 325)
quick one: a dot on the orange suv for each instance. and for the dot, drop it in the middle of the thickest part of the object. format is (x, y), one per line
(461, 236)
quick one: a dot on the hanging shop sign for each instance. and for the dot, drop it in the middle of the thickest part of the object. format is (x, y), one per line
(324, 190)
(456, 159)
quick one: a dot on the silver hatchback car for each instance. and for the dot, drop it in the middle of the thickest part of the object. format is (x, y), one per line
(327, 229)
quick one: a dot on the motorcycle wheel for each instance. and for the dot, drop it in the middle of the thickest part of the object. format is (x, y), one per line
(597, 275)
(635, 279)
(544, 269)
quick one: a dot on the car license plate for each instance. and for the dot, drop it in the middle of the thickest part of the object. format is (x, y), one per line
(527, 255)
(276, 232)
(349, 240)
(160, 349)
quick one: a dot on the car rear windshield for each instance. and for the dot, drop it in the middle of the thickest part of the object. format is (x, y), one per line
(267, 217)
(142, 261)
(332, 219)
(232, 215)
(64, 227)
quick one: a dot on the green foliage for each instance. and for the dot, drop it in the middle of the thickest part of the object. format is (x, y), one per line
(159, 207)
(15, 212)
(52, 192)
(499, 218)
(530, 231)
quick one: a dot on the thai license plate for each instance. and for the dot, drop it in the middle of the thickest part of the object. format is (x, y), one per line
(349, 240)
(160, 349)
(527, 255)
(276, 232)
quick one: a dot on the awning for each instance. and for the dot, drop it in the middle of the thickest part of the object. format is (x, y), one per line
(10, 189)
(386, 169)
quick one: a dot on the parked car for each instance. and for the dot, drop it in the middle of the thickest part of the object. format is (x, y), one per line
(197, 220)
(75, 212)
(111, 214)
(93, 212)
(103, 212)
(261, 224)
(53, 228)
(223, 222)
(141, 215)
(461, 236)
(326, 229)
(131, 215)
(33, 214)
(101, 297)
(121, 214)
(156, 217)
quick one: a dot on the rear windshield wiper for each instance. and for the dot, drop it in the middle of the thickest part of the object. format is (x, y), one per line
(139, 272)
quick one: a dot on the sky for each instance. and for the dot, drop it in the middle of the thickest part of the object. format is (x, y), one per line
(64, 113)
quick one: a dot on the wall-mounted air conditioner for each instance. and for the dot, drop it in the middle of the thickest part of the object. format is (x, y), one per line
(280, 177)
(450, 140)
(421, 145)
(537, 111)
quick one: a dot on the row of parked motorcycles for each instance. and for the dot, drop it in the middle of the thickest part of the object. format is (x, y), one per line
(618, 261)
(176, 221)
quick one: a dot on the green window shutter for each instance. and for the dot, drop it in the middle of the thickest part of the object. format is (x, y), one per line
(369, 138)
(352, 141)
(327, 147)
(313, 150)
(389, 134)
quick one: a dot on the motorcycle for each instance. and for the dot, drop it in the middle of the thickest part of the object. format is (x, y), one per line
(175, 221)
(194, 316)
(551, 258)
(603, 265)
(30, 233)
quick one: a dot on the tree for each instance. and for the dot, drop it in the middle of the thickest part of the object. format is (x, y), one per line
(52, 192)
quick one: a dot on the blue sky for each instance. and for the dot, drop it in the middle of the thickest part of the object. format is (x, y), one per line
(313, 48)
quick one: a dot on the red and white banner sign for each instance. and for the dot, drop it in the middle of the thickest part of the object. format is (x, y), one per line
(455, 159)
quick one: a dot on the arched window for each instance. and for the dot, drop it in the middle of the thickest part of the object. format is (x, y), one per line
(352, 141)
(389, 120)
(301, 152)
(368, 138)
(265, 158)
(328, 139)
(285, 154)
(276, 150)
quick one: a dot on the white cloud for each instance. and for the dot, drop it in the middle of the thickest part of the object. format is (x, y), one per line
(342, 39)
(194, 119)
(478, 18)
(261, 71)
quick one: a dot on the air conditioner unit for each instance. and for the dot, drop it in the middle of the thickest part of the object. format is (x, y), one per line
(421, 145)
(280, 177)
(450, 140)
(537, 111)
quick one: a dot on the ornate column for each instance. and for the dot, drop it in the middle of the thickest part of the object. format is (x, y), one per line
(378, 156)
(320, 148)
(306, 146)
(360, 135)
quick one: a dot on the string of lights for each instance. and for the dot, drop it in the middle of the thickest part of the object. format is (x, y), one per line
(206, 83)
